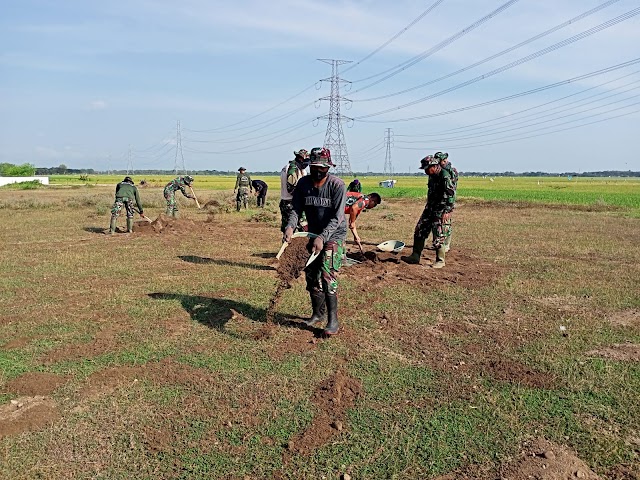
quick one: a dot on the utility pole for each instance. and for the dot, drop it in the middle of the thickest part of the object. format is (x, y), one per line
(388, 140)
(178, 150)
(334, 138)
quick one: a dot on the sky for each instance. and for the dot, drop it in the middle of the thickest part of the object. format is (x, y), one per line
(103, 85)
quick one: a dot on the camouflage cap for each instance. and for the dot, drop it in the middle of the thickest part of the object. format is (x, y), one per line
(320, 157)
(441, 156)
(301, 153)
(428, 160)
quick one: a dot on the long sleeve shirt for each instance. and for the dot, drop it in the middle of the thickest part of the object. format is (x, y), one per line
(442, 192)
(243, 180)
(290, 175)
(176, 184)
(126, 190)
(259, 186)
(324, 207)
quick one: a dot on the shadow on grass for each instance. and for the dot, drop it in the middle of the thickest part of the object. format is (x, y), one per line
(96, 229)
(225, 263)
(264, 255)
(216, 312)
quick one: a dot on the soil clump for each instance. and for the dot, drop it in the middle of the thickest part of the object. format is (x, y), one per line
(332, 398)
(35, 383)
(27, 414)
(169, 225)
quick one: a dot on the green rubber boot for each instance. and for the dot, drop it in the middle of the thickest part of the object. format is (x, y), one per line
(440, 255)
(418, 246)
(447, 244)
(129, 225)
(112, 225)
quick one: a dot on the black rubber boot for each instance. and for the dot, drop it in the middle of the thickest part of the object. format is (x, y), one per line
(129, 225)
(418, 246)
(332, 313)
(112, 226)
(238, 205)
(319, 306)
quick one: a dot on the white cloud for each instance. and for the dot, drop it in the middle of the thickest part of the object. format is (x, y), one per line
(98, 105)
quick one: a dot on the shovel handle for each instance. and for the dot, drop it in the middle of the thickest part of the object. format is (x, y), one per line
(194, 196)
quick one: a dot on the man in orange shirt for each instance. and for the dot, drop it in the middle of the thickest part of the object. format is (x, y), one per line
(356, 203)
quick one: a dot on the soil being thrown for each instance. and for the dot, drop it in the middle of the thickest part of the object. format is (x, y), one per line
(290, 266)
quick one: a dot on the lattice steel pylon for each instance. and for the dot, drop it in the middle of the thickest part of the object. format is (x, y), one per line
(388, 140)
(334, 138)
(179, 151)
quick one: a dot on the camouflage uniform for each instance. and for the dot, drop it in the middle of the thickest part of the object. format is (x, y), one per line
(289, 177)
(178, 183)
(322, 274)
(453, 172)
(436, 216)
(243, 186)
(126, 194)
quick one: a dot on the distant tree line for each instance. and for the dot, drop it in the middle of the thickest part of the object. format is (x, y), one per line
(11, 170)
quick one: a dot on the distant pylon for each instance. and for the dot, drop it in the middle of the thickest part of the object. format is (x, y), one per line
(334, 138)
(129, 162)
(179, 151)
(388, 140)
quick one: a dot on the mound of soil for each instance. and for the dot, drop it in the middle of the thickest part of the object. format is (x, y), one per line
(290, 266)
(462, 269)
(545, 460)
(35, 383)
(169, 225)
(625, 352)
(332, 398)
(27, 414)
(212, 203)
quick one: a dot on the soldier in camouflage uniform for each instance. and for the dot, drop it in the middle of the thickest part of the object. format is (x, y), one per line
(322, 197)
(453, 172)
(178, 183)
(290, 174)
(436, 217)
(243, 186)
(126, 194)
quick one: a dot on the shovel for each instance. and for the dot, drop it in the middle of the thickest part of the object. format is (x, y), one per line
(295, 235)
(144, 217)
(194, 197)
(313, 256)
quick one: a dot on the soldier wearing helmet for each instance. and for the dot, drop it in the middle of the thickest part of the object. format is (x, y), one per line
(322, 196)
(170, 189)
(243, 186)
(436, 216)
(290, 174)
(126, 194)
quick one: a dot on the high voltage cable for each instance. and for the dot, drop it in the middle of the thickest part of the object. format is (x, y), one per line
(473, 126)
(235, 152)
(235, 139)
(412, 61)
(500, 131)
(538, 135)
(515, 63)
(492, 57)
(162, 143)
(416, 20)
(510, 97)
(225, 127)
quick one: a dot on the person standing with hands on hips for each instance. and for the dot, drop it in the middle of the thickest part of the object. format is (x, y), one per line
(321, 196)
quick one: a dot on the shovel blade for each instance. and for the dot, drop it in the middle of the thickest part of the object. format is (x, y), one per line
(284, 245)
(312, 258)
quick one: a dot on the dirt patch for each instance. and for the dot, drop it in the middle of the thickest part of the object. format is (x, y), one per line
(545, 460)
(17, 343)
(169, 225)
(35, 383)
(332, 398)
(290, 267)
(294, 341)
(26, 414)
(462, 269)
(212, 204)
(106, 340)
(625, 352)
(626, 318)
(507, 370)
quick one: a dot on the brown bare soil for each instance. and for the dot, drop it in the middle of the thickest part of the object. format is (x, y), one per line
(625, 352)
(169, 225)
(507, 370)
(106, 340)
(17, 343)
(332, 398)
(545, 460)
(212, 203)
(35, 383)
(462, 269)
(626, 318)
(27, 414)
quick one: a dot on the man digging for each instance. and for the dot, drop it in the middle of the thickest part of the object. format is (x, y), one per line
(126, 194)
(436, 216)
(321, 196)
(170, 189)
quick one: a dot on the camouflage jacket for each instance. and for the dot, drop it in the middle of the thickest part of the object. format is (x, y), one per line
(441, 196)
(243, 180)
(176, 184)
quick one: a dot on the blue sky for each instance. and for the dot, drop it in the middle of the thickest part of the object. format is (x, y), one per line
(81, 81)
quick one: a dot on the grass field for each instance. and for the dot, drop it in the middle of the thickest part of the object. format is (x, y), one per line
(148, 356)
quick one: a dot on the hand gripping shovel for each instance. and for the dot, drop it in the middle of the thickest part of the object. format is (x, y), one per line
(296, 235)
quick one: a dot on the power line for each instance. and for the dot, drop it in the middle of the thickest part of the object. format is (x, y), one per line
(412, 61)
(511, 97)
(493, 57)
(515, 63)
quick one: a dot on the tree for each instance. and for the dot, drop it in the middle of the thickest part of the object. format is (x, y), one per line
(62, 168)
(11, 170)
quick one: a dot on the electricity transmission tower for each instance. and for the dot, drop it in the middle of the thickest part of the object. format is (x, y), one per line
(178, 150)
(388, 140)
(129, 162)
(334, 138)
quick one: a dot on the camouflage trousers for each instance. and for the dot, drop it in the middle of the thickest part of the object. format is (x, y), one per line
(322, 274)
(121, 203)
(242, 198)
(286, 207)
(172, 204)
(438, 223)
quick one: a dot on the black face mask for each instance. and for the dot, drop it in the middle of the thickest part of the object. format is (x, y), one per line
(317, 174)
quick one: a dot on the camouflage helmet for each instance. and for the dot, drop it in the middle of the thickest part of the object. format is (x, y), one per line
(320, 157)
(428, 161)
(301, 153)
(441, 157)
(188, 179)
